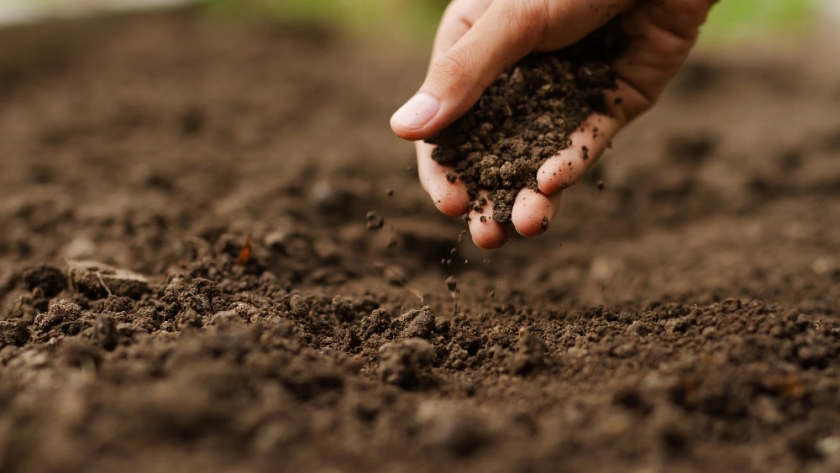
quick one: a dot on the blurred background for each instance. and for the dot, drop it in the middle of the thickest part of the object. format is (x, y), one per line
(415, 20)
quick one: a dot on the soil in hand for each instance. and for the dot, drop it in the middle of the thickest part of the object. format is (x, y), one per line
(526, 116)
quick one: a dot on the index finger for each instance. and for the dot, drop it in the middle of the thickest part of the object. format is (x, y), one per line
(458, 18)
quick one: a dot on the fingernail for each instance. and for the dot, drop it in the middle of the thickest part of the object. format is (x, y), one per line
(417, 112)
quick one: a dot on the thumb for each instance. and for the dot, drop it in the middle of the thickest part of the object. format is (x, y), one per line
(505, 33)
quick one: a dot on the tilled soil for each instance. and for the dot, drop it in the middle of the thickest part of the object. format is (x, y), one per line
(681, 315)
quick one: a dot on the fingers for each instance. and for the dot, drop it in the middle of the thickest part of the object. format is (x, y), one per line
(459, 75)
(478, 39)
(451, 198)
(532, 215)
(411, 120)
(662, 34)
(588, 143)
(533, 212)
(458, 18)
(502, 33)
(486, 232)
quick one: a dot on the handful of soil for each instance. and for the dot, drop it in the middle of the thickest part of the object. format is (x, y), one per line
(526, 116)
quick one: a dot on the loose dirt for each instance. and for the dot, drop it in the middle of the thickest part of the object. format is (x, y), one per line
(685, 317)
(526, 116)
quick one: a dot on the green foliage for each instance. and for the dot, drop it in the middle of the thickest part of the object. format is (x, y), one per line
(730, 20)
(405, 19)
(734, 20)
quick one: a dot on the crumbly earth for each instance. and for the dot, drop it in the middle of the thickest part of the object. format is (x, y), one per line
(684, 318)
(526, 116)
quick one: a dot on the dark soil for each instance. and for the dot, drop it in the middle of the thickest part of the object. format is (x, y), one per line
(684, 318)
(526, 116)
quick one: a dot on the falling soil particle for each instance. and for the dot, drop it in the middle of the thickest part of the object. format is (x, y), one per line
(452, 283)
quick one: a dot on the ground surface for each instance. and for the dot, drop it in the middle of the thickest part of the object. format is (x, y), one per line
(684, 318)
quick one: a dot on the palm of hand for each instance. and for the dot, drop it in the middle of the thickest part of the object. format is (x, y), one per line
(477, 39)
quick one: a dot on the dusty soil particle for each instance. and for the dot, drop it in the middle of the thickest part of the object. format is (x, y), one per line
(418, 323)
(452, 428)
(97, 280)
(377, 322)
(374, 221)
(343, 308)
(298, 306)
(106, 331)
(530, 353)
(13, 332)
(188, 318)
(81, 355)
(405, 362)
(526, 116)
(48, 279)
(60, 315)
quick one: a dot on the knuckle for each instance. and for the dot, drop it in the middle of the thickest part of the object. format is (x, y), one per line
(525, 21)
(455, 9)
(454, 69)
(692, 13)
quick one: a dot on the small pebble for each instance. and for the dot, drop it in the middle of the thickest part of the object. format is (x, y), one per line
(374, 221)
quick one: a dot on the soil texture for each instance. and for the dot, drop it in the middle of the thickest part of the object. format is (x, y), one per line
(526, 116)
(215, 257)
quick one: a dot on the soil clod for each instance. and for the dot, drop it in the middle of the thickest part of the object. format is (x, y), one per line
(404, 362)
(530, 353)
(419, 323)
(49, 279)
(97, 280)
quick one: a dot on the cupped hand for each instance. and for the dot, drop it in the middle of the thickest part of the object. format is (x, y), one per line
(478, 39)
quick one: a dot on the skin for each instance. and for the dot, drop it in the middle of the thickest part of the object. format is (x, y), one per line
(478, 39)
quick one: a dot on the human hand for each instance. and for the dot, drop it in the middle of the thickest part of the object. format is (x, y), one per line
(478, 39)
